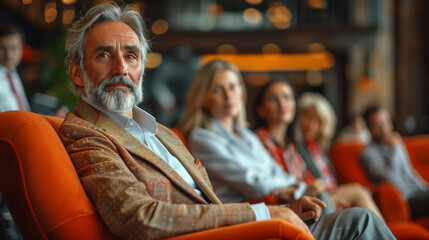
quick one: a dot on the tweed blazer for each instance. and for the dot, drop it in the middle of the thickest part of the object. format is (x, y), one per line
(137, 194)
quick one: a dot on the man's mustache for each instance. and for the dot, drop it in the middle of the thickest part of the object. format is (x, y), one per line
(120, 79)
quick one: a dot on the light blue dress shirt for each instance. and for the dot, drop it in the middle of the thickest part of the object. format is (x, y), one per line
(143, 127)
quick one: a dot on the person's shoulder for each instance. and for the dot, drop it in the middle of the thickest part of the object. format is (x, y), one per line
(369, 150)
(249, 134)
(198, 136)
(197, 133)
(75, 127)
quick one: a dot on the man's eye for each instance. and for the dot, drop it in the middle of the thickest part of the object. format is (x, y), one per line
(103, 55)
(131, 56)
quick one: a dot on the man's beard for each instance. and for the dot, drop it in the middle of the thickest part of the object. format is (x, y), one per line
(118, 100)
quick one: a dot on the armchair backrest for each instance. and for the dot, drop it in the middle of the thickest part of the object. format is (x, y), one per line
(39, 182)
(417, 147)
(345, 158)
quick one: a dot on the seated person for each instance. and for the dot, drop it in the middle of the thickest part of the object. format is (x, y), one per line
(139, 176)
(12, 94)
(355, 132)
(386, 159)
(275, 110)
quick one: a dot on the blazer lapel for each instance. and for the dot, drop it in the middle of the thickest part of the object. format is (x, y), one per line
(176, 148)
(133, 145)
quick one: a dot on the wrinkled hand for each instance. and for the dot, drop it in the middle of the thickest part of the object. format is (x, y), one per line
(288, 215)
(285, 195)
(308, 208)
(315, 188)
(340, 203)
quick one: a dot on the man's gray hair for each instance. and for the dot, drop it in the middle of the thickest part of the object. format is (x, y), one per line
(107, 12)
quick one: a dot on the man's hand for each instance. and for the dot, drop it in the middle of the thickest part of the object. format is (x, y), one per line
(285, 195)
(288, 215)
(315, 188)
(308, 208)
(392, 138)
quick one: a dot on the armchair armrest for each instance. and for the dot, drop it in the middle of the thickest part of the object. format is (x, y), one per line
(272, 229)
(393, 207)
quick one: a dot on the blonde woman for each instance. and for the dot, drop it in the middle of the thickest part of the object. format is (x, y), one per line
(314, 130)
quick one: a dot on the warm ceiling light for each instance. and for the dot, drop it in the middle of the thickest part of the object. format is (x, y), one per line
(316, 47)
(160, 27)
(50, 12)
(252, 15)
(153, 60)
(271, 48)
(279, 15)
(68, 2)
(282, 25)
(258, 78)
(254, 2)
(68, 16)
(26, 2)
(317, 3)
(278, 62)
(214, 9)
(314, 78)
(226, 49)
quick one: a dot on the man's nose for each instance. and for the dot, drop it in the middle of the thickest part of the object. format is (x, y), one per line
(121, 67)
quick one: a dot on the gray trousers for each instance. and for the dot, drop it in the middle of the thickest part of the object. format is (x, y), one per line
(351, 223)
(330, 206)
(419, 204)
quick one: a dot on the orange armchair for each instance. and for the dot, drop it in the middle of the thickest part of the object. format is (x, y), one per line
(417, 147)
(46, 198)
(345, 158)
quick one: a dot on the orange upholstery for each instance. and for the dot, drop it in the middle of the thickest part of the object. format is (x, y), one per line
(408, 231)
(46, 198)
(394, 201)
(345, 158)
(417, 147)
(180, 136)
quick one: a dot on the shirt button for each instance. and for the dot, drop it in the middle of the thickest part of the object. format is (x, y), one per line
(131, 124)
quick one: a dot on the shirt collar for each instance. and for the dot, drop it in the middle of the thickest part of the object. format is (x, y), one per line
(145, 121)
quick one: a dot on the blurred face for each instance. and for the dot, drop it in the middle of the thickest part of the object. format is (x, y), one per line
(278, 104)
(10, 50)
(380, 125)
(310, 123)
(113, 67)
(225, 96)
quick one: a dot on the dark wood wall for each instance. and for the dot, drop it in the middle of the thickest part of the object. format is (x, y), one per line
(412, 66)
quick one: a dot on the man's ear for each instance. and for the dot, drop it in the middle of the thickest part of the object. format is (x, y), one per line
(76, 74)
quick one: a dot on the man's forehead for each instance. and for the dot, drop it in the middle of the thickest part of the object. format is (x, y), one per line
(108, 33)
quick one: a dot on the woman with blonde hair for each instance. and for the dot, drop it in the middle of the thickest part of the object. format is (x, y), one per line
(313, 133)
(238, 165)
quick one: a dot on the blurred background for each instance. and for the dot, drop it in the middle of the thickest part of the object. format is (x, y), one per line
(355, 52)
